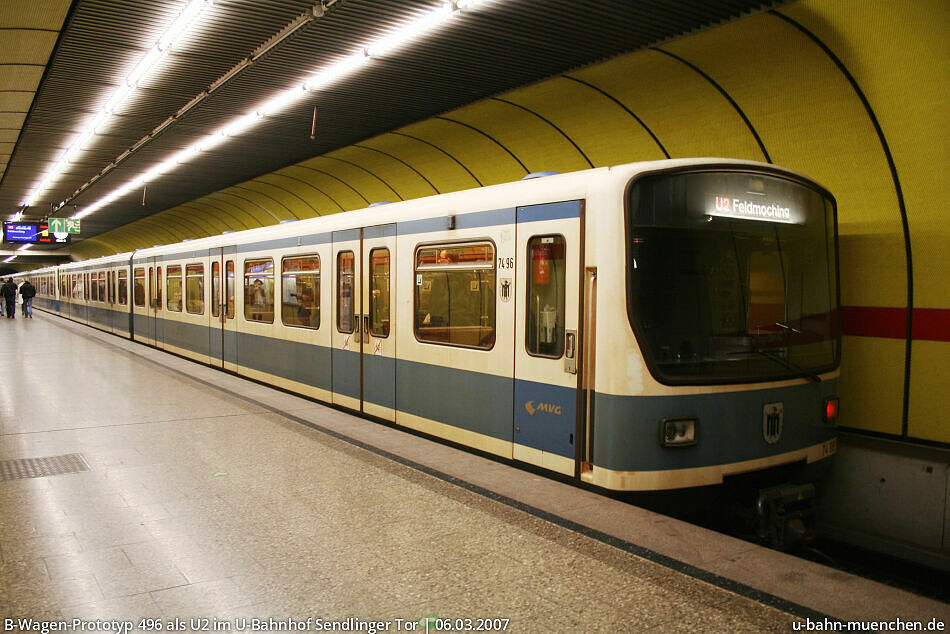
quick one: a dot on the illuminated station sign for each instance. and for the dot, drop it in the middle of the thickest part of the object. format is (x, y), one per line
(20, 231)
(32, 233)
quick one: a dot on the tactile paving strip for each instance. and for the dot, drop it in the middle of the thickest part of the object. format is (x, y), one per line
(42, 467)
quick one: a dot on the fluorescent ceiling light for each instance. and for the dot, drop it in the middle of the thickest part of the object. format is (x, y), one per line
(415, 30)
(337, 71)
(143, 69)
(10, 259)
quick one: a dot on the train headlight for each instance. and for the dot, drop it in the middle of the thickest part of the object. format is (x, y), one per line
(679, 432)
(830, 411)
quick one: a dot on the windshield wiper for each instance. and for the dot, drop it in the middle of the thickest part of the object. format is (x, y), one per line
(788, 328)
(785, 363)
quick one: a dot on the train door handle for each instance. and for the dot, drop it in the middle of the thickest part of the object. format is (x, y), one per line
(366, 325)
(570, 351)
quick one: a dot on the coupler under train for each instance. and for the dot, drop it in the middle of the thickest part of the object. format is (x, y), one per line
(784, 513)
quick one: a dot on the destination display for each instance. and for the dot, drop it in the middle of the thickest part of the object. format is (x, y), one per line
(33, 233)
(20, 232)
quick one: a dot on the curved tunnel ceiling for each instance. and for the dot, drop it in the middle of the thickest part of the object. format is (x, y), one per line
(853, 94)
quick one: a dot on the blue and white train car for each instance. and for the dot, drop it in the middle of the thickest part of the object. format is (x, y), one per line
(644, 327)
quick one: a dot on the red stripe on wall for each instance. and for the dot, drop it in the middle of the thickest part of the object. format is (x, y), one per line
(930, 324)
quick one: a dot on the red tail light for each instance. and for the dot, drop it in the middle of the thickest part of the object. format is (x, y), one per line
(831, 409)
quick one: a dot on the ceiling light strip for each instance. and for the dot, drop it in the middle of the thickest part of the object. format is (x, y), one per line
(145, 68)
(399, 38)
(303, 19)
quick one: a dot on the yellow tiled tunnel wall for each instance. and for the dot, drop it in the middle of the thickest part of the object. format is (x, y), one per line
(767, 87)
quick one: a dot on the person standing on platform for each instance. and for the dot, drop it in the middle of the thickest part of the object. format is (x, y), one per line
(27, 293)
(8, 291)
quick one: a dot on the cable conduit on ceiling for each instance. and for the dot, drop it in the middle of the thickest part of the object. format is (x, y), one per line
(728, 97)
(336, 178)
(487, 136)
(373, 174)
(260, 180)
(244, 188)
(399, 160)
(550, 123)
(311, 186)
(227, 192)
(443, 151)
(210, 220)
(625, 109)
(213, 210)
(222, 206)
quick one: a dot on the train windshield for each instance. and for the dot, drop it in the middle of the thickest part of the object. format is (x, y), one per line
(732, 277)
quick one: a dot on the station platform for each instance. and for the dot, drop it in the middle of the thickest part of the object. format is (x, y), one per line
(179, 495)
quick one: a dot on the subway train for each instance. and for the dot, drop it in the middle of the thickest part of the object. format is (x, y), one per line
(646, 327)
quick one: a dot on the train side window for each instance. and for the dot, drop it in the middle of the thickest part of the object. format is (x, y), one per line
(230, 288)
(138, 290)
(195, 289)
(346, 271)
(158, 288)
(93, 287)
(123, 288)
(300, 291)
(259, 290)
(102, 287)
(173, 291)
(544, 328)
(455, 294)
(379, 293)
(86, 286)
(215, 289)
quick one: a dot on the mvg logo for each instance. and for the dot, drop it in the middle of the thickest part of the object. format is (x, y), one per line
(723, 204)
(549, 408)
(772, 415)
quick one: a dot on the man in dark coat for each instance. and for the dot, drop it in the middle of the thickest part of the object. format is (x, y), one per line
(8, 291)
(27, 292)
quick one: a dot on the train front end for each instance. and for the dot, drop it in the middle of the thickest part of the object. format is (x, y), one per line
(731, 289)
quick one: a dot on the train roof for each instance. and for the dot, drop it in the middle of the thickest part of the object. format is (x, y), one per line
(542, 189)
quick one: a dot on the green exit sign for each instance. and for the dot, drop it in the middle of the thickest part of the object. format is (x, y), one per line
(64, 225)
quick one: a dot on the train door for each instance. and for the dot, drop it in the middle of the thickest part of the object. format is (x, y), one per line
(346, 348)
(140, 294)
(549, 241)
(110, 300)
(379, 336)
(156, 327)
(363, 340)
(223, 329)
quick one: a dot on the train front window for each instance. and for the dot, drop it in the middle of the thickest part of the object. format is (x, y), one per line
(732, 277)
